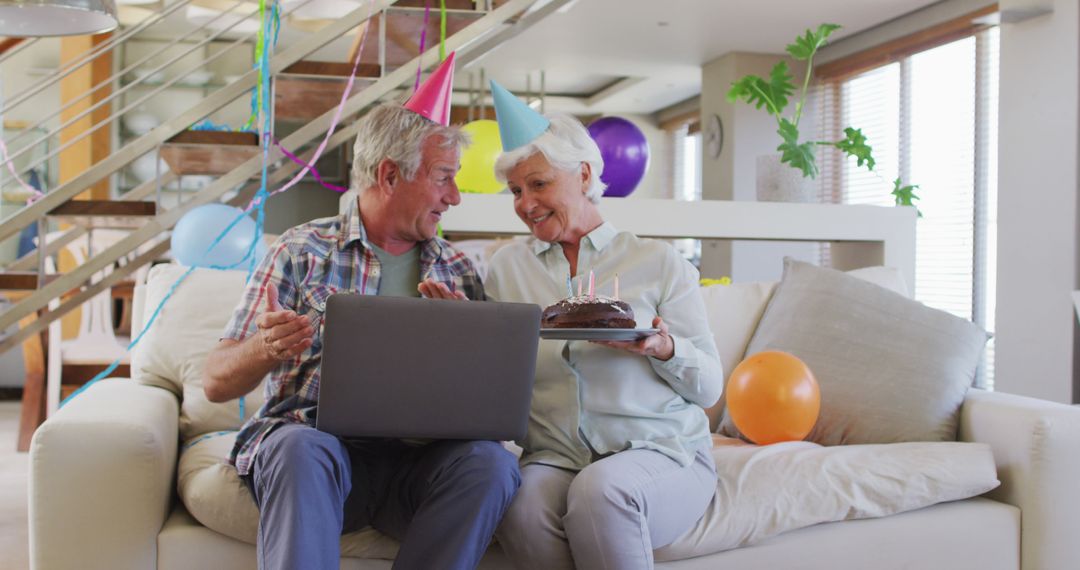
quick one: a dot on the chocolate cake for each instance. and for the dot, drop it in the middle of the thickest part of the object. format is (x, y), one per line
(584, 312)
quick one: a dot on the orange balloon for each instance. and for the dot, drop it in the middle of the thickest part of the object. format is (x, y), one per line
(772, 396)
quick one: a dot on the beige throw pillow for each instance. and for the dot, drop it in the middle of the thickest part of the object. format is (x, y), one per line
(172, 352)
(734, 311)
(890, 369)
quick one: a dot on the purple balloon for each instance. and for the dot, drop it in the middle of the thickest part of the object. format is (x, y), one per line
(625, 152)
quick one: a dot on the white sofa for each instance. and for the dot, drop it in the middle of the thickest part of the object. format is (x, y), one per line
(103, 491)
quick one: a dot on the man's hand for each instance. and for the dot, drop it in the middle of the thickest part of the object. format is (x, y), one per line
(283, 335)
(433, 289)
(659, 346)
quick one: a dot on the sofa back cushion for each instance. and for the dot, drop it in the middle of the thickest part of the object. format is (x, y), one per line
(890, 369)
(172, 352)
(734, 312)
(214, 494)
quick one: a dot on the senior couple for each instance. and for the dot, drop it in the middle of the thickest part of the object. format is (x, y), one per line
(616, 458)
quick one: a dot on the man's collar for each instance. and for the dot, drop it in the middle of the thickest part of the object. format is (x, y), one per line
(599, 238)
(354, 226)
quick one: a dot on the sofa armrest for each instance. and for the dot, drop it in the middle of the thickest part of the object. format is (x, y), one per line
(1035, 445)
(101, 478)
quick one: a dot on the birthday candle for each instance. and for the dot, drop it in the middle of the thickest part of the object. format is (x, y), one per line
(592, 285)
(616, 286)
(579, 287)
(569, 287)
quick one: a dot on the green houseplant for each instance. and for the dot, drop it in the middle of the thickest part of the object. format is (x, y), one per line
(774, 95)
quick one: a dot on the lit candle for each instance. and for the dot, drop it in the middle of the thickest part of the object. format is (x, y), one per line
(579, 286)
(569, 287)
(616, 286)
(592, 285)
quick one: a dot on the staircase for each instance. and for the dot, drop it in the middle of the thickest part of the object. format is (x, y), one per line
(387, 65)
(479, 30)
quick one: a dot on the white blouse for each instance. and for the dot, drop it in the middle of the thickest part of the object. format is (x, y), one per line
(590, 400)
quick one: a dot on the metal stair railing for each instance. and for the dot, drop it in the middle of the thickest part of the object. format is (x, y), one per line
(463, 42)
(216, 100)
(117, 93)
(29, 261)
(112, 42)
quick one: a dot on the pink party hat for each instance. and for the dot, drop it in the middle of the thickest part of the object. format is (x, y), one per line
(432, 99)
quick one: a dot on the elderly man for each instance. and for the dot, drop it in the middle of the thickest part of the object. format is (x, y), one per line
(443, 499)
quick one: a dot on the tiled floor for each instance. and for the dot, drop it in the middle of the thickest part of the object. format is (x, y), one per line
(14, 538)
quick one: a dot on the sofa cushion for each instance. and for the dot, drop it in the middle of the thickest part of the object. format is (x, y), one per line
(214, 494)
(171, 353)
(763, 491)
(734, 311)
(890, 368)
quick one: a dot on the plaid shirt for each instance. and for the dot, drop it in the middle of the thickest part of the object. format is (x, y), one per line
(307, 264)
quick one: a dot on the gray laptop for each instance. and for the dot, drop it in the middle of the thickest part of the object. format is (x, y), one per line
(424, 368)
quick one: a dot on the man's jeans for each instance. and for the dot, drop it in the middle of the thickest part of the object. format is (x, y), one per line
(442, 501)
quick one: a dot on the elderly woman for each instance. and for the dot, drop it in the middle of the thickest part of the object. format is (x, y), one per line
(616, 460)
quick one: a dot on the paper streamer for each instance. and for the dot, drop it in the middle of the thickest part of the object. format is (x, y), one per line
(249, 257)
(258, 202)
(442, 30)
(35, 194)
(314, 171)
(423, 39)
(335, 121)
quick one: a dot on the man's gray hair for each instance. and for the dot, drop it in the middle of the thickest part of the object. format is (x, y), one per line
(394, 132)
(566, 144)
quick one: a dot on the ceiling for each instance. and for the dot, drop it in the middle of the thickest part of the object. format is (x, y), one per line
(664, 43)
(639, 56)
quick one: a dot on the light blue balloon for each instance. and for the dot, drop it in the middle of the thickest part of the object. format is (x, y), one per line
(199, 228)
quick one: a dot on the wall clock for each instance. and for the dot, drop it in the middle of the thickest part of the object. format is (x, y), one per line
(713, 133)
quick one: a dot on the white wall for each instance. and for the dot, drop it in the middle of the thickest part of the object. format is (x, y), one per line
(1038, 181)
(658, 179)
(748, 133)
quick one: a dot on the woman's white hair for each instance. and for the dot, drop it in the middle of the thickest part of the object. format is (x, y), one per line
(565, 144)
(394, 132)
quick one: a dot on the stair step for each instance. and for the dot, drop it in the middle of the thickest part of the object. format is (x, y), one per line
(450, 5)
(76, 208)
(336, 69)
(75, 375)
(209, 152)
(111, 214)
(22, 280)
(403, 27)
(307, 89)
(214, 137)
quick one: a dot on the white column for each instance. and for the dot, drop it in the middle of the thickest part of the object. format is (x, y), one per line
(1037, 198)
(748, 133)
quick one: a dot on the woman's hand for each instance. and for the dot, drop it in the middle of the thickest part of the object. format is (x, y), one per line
(659, 346)
(433, 289)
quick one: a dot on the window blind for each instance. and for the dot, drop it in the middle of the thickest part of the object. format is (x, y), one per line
(686, 142)
(931, 119)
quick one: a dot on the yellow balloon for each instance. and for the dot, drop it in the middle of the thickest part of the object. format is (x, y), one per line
(477, 172)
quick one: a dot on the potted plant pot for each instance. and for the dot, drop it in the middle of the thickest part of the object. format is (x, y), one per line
(779, 182)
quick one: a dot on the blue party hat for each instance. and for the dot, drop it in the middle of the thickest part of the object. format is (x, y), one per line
(518, 124)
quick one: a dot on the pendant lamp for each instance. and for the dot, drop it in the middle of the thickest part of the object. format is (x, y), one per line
(29, 18)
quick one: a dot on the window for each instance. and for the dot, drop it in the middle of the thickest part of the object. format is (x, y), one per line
(687, 183)
(931, 118)
(687, 164)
